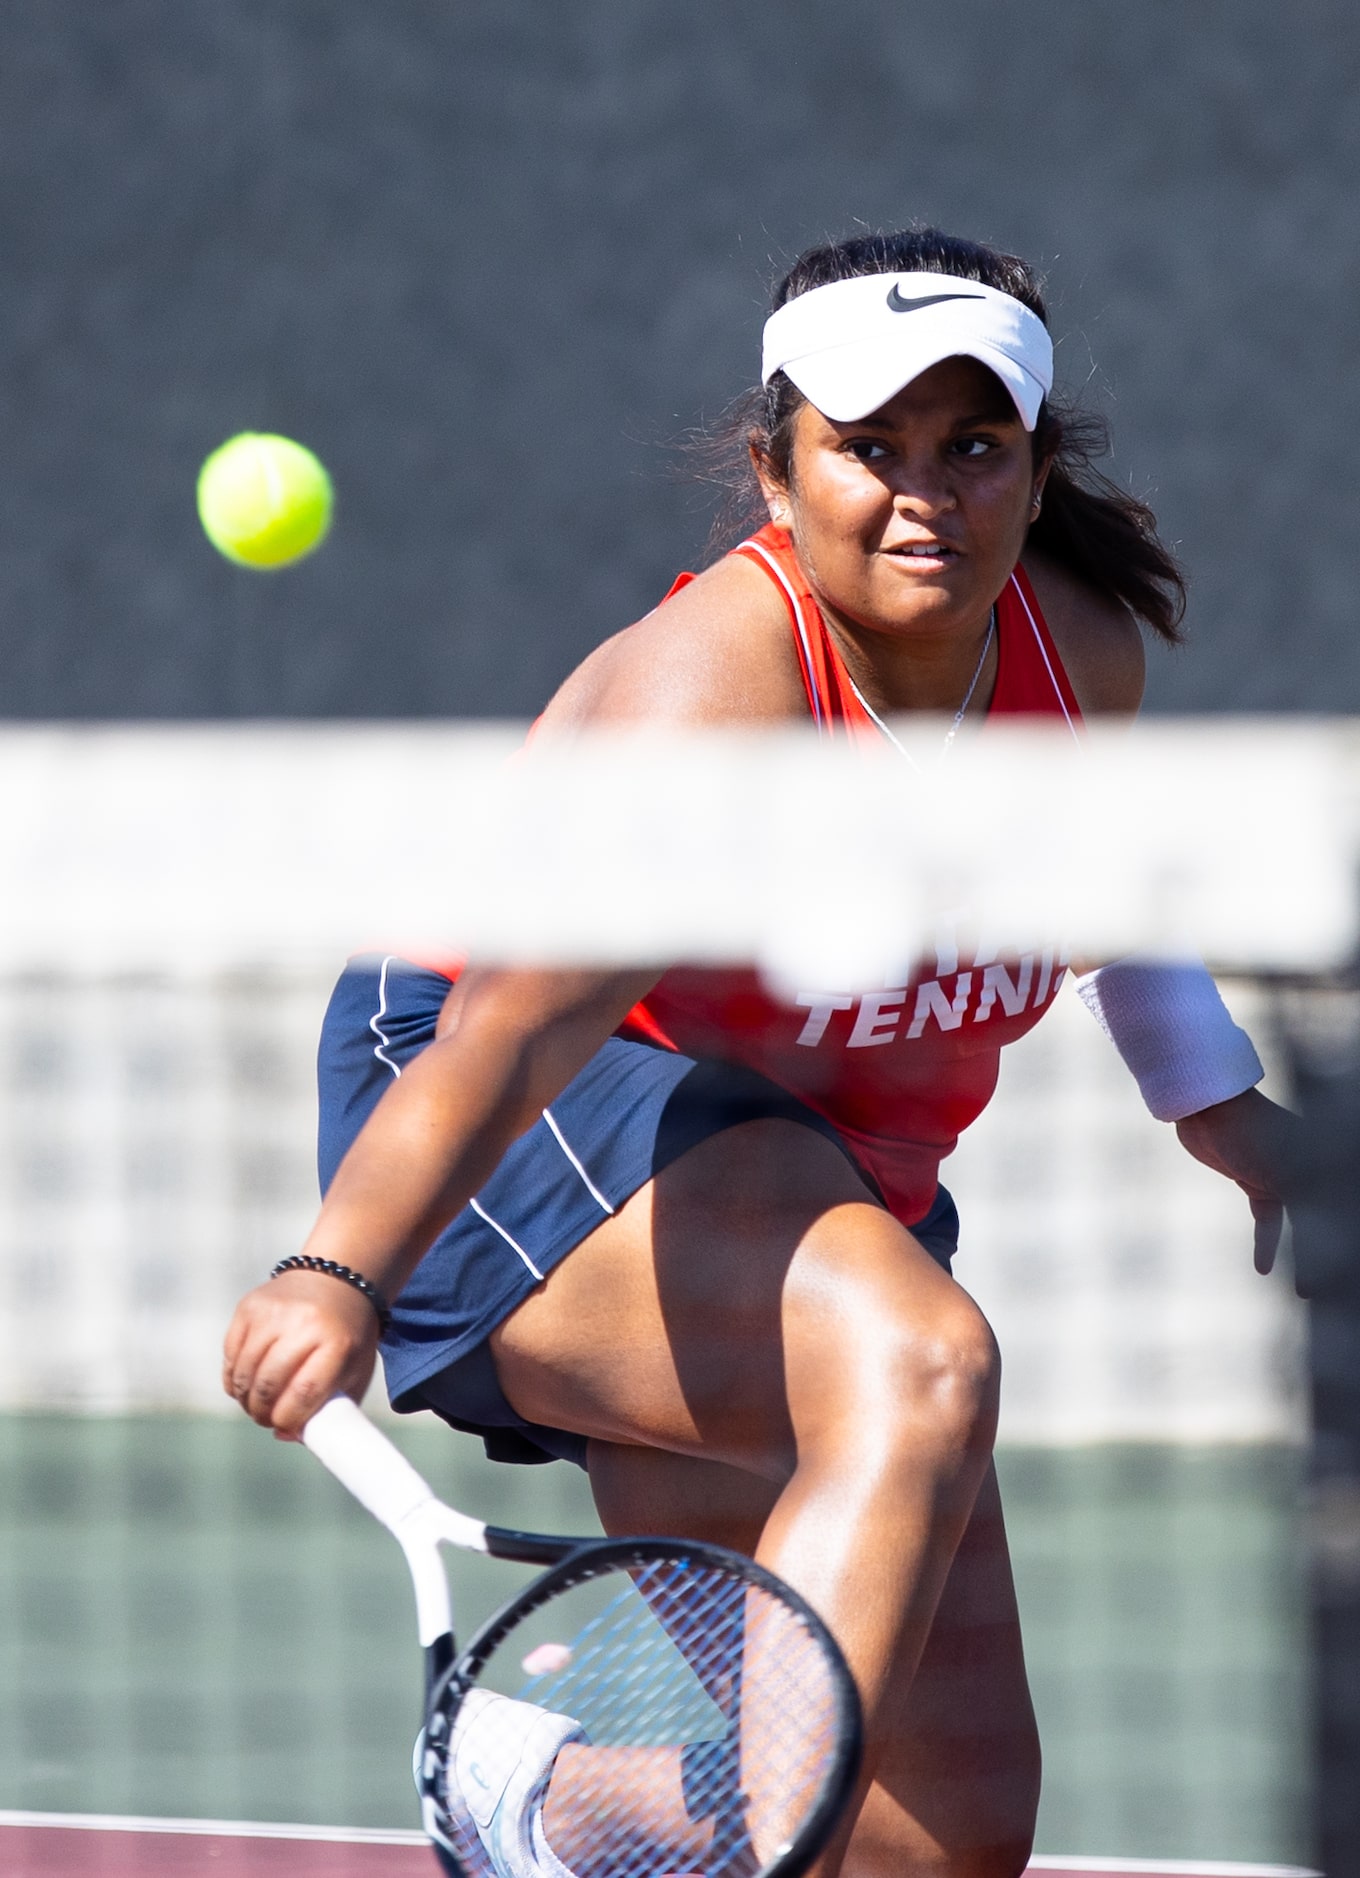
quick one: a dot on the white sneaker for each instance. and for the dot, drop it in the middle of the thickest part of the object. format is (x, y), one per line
(500, 1760)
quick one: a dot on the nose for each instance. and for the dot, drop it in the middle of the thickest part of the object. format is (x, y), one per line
(922, 489)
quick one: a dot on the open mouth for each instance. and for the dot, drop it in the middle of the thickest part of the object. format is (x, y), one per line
(926, 553)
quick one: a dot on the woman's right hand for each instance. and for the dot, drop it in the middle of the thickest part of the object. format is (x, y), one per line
(293, 1343)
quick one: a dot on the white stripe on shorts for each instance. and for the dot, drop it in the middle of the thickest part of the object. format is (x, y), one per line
(496, 1226)
(565, 1146)
(384, 1040)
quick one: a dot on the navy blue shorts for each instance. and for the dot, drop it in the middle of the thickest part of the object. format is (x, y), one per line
(629, 1113)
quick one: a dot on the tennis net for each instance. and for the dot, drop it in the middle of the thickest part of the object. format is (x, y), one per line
(183, 900)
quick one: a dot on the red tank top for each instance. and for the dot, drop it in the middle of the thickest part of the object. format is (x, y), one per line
(901, 1071)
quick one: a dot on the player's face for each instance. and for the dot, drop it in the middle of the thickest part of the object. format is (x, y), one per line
(910, 521)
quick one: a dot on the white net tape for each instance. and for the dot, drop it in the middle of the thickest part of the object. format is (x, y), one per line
(209, 847)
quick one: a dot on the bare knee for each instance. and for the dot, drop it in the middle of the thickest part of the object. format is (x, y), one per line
(945, 1373)
(919, 1380)
(868, 1314)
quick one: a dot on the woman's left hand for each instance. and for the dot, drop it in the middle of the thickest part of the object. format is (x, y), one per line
(1255, 1142)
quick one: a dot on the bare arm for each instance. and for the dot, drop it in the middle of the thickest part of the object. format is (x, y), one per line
(432, 1141)
(1098, 639)
(509, 1041)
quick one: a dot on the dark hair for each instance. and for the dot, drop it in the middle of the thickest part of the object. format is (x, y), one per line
(1088, 523)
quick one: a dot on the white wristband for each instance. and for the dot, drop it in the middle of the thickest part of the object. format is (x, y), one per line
(1173, 1030)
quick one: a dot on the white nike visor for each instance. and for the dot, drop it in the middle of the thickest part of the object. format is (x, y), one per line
(851, 346)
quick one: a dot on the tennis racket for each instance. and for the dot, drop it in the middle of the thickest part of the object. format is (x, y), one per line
(645, 1707)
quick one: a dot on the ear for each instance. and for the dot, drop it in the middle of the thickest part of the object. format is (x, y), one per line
(775, 492)
(1040, 479)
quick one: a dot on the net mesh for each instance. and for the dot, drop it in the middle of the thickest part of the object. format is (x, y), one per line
(182, 1603)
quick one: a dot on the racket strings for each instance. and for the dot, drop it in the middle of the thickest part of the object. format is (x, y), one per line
(706, 1724)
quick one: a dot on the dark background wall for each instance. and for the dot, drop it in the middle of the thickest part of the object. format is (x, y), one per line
(490, 257)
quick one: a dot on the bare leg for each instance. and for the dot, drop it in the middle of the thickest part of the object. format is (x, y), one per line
(630, 1799)
(957, 1782)
(758, 1310)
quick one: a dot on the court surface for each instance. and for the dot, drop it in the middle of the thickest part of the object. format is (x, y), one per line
(195, 1625)
(55, 1845)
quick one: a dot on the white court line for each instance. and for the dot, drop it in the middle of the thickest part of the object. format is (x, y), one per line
(1172, 1867)
(368, 1835)
(215, 1828)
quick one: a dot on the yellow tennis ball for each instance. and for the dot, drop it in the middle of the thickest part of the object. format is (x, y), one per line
(263, 500)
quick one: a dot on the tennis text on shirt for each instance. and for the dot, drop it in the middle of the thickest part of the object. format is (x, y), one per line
(899, 1071)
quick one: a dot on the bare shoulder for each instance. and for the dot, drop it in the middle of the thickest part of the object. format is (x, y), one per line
(717, 652)
(1098, 639)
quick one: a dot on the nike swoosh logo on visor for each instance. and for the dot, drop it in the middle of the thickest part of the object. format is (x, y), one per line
(901, 305)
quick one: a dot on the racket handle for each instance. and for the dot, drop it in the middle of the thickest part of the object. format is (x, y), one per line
(362, 1459)
(381, 1479)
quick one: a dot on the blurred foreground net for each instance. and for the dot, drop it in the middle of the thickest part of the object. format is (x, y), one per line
(158, 1014)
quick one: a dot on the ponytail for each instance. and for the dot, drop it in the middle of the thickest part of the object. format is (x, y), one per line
(1106, 536)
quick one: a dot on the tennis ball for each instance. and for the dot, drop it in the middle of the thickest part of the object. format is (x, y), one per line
(263, 500)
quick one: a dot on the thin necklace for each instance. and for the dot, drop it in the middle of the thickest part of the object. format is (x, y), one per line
(959, 715)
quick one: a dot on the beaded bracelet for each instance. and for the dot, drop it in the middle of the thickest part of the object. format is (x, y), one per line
(304, 1262)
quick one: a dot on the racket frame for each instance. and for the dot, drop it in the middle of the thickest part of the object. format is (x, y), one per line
(585, 1559)
(380, 1477)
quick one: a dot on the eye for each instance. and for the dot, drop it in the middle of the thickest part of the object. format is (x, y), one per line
(867, 449)
(973, 447)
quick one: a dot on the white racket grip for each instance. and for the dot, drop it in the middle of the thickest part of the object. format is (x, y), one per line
(381, 1478)
(362, 1459)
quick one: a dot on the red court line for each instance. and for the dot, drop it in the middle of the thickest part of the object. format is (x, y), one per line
(36, 1845)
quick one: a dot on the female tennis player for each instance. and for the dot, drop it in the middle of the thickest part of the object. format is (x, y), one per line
(692, 1236)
